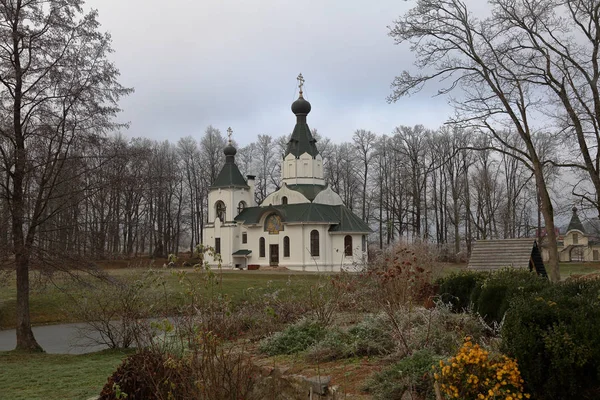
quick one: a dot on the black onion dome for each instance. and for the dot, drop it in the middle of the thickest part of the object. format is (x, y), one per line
(229, 150)
(301, 106)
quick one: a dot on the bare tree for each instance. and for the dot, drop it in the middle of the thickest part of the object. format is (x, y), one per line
(266, 165)
(555, 46)
(211, 149)
(476, 56)
(58, 91)
(365, 143)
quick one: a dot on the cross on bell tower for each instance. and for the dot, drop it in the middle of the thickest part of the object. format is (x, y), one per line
(229, 133)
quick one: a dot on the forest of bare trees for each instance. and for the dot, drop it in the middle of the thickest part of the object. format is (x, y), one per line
(143, 197)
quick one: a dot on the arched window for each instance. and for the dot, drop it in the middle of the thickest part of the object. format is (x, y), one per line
(261, 247)
(575, 238)
(286, 246)
(314, 243)
(220, 210)
(348, 245)
(284, 200)
(241, 206)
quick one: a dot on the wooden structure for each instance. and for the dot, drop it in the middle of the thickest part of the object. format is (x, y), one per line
(490, 255)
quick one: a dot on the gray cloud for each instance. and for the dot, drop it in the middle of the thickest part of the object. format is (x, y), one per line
(234, 63)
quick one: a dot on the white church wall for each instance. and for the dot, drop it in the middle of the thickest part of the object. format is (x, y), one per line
(302, 170)
(293, 197)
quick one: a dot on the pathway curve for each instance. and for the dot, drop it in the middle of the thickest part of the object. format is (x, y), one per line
(54, 339)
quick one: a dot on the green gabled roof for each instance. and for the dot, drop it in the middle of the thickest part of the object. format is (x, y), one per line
(341, 217)
(308, 191)
(241, 253)
(349, 222)
(230, 176)
(575, 222)
(302, 141)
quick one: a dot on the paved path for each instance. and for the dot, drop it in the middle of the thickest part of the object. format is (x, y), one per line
(56, 339)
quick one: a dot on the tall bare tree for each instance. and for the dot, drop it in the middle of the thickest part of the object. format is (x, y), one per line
(476, 55)
(365, 144)
(59, 91)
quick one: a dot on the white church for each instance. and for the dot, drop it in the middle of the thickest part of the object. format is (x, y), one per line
(302, 226)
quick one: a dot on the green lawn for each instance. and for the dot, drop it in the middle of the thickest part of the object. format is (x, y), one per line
(573, 268)
(26, 376)
(49, 299)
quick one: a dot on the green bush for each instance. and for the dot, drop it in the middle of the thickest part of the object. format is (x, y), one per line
(457, 288)
(554, 336)
(294, 339)
(411, 375)
(492, 299)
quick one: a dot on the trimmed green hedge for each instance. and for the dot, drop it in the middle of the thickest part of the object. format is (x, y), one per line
(488, 293)
(457, 288)
(555, 336)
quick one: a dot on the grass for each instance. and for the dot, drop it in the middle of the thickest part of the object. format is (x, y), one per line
(574, 268)
(48, 299)
(27, 376)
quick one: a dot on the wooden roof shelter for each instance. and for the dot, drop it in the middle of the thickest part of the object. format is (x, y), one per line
(490, 255)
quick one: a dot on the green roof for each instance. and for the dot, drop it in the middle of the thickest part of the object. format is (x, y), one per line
(575, 222)
(241, 253)
(342, 219)
(302, 141)
(230, 176)
(308, 191)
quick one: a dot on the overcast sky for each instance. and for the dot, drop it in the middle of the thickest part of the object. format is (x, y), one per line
(195, 63)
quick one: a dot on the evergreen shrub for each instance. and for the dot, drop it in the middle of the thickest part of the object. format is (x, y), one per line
(554, 336)
(456, 289)
(492, 299)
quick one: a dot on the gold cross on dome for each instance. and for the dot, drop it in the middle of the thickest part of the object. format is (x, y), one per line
(300, 79)
(229, 133)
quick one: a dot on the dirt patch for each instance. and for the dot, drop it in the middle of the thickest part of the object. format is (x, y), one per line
(348, 376)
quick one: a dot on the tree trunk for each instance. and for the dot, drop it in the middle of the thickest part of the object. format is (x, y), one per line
(25, 338)
(548, 213)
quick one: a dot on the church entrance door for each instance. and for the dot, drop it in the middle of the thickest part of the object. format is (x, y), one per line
(274, 254)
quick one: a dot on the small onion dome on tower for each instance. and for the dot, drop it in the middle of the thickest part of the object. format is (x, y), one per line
(575, 222)
(229, 150)
(301, 106)
(230, 175)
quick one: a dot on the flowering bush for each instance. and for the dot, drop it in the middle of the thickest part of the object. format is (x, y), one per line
(474, 374)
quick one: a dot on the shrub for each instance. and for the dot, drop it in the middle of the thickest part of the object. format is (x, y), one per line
(492, 299)
(207, 371)
(441, 330)
(411, 375)
(335, 345)
(112, 308)
(554, 334)
(368, 338)
(294, 339)
(148, 375)
(458, 287)
(475, 374)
